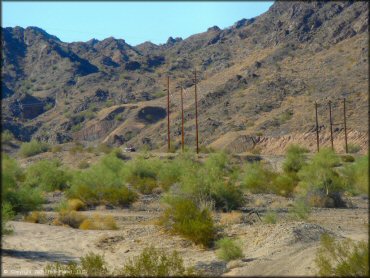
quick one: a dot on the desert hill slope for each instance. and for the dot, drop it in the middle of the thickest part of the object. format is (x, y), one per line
(258, 81)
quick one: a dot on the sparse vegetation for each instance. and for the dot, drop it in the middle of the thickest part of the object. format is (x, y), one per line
(98, 222)
(102, 183)
(157, 263)
(228, 249)
(91, 265)
(47, 175)
(344, 258)
(320, 182)
(270, 217)
(6, 137)
(184, 218)
(32, 148)
(353, 148)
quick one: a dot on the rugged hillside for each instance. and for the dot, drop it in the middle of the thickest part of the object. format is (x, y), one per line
(258, 80)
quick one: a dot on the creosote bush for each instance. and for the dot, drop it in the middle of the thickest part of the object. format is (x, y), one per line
(344, 258)
(32, 148)
(257, 178)
(157, 263)
(184, 218)
(355, 176)
(228, 249)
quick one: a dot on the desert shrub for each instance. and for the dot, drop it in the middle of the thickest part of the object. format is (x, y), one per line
(270, 217)
(6, 137)
(300, 210)
(83, 164)
(32, 148)
(184, 218)
(20, 197)
(76, 148)
(169, 174)
(102, 183)
(104, 148)
(344, 258)
(353, 148)
(228, 249)
(208, 182)
(70, 218)
(157, 263)
(355, 176)
(36, 217)
(94, 265)
(142, 174)
(56, 149)
(257, 178)
(284, 184)
(229, 218)
(7, 214)
(347, 158)
(98, 222)
(294, 159)
(47, 175)
(91, 265)
(320, 181)
(75, 204)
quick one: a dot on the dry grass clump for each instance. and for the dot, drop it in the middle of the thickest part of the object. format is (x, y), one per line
(98, 222)
(230, 218)
(70, 218)
(75, 204)
(36, 217)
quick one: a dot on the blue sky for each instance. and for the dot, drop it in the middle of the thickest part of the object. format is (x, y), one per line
(135, 22)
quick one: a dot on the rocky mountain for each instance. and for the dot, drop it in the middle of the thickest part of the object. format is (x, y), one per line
(257, 82)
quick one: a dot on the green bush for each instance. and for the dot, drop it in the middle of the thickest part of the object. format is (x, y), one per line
(320, 180)
(184, 218)
(157, 263)
(32, 148)
(83, 164)
(91, 265)
(352, 148)
(7, 214)
(344, 258)
(102, 183)
(47, 175)
(294, 159)
(257, 178)
(300, 210)
(270, 217)
(6, 137)
(347, 158)
(228, 249)
(20, 197)
(355, 176)
(284, 184)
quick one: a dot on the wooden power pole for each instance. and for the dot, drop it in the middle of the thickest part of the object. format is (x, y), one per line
(182, 121)
(317, 129)
(331, 126)
(196, 109)
(168, 115)
(345, 124)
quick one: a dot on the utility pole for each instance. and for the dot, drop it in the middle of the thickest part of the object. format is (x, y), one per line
(196, 108)
(168, 115)
(331, 126)
(317, 129)
(182, 121)
(345, 123)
